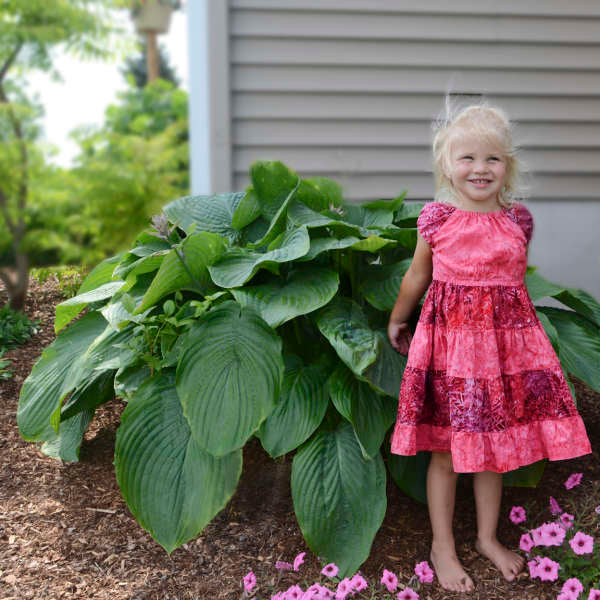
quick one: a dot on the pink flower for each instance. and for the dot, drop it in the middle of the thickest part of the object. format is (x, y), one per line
(582, 543)
(424, 572)
(359, 583)
(277, 596)
(597, 509)
(330, 570)
(407, 594)
(536, 534)
(283, 566)
(294, 592)
(249, 581)
(517, 514)
(573, 480)
(566, 520)
(565, 596)
(299, 560)
(553, 534)
(343, 589)
(526, 542)
(573, 587)
(554, 507)
(533, 568)
(389, 580)
(548, 569)
(594, 594)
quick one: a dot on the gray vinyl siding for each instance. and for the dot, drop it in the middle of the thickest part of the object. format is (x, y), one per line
(348, 88)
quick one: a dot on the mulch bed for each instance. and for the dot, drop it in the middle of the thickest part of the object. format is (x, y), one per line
(65, 531)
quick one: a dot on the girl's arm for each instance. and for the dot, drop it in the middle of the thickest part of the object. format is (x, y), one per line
(414, 284)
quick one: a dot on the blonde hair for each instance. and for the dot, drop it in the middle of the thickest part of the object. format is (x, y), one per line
(485, 122)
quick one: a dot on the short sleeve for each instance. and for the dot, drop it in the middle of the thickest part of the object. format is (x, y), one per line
(432, 216)
(520, 214)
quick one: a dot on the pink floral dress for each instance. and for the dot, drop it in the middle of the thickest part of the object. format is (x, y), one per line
(482, 380)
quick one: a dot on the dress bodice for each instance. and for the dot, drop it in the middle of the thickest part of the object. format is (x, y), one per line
(473, 248)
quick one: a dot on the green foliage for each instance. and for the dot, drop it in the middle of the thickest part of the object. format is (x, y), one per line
(69, 278)
(5, 372)
(256, 314)
(15, 327)
(136, 66)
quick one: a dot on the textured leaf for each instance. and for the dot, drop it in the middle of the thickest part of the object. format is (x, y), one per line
(172, 487)
(320, 193)
(65, 446)
(389, 205)
(305, 290)
(206, 213)
(410, 474)
(369, 413)
(238, 265)
(381, 284)
(228, 376)
(100, 274)
(273, 182)
(199, 251)
(526, 476)
(323, 244)
(66, 311)
(372, 243)
(248, 210)
(579, 344)
(339, 498)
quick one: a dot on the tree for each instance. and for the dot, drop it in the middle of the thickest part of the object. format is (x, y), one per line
(137, 67)
(29, 31)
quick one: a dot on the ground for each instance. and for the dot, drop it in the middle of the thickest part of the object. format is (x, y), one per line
(65, 531)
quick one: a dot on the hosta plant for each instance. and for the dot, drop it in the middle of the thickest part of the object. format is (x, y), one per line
(263, 314)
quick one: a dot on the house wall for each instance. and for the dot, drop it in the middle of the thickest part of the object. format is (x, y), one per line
(348, 88)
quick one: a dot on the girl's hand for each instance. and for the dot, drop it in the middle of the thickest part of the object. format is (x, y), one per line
(400, 336)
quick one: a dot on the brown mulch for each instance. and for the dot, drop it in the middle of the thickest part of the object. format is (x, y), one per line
(65, 531)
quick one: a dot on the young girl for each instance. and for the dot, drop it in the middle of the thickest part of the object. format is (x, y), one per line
(483, 389)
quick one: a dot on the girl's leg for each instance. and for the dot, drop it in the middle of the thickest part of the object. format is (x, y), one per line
(441, 493)
(488, 495)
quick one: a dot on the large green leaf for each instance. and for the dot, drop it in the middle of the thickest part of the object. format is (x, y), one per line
(410, 473)
(370, 413)
(300, 215)
(228, 376)
(238, 265)
(320, 193)
(407, 214)
(100, 274)
(186, 269)
(579, 341)
(392, 205)
(323, 244)
(206, 213)
(248, 210)
(579, 300)
(306, 289)
(66, 311)
(339, 498)
(385, 373)
(381, 283)
(172, 487)
(65, 446)
(53, 375)
(372, 243)
(526, 476)
(273, 182)
(301, 407)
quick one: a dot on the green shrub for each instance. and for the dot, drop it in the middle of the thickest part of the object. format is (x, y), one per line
(15, 327)
(5, 372)
(69, 278)
(257, 314)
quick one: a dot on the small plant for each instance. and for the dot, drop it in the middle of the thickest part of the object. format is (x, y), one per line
(69, 278)
(15, 327)
(561, 548)
(332, 587)
(5, 373)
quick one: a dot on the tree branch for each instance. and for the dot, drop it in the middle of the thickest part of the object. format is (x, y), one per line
(9, 61)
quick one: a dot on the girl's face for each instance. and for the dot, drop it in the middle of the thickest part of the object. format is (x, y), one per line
(477, 170)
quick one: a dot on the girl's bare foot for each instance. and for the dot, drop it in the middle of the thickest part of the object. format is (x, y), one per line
(449, 571)
(510, 563)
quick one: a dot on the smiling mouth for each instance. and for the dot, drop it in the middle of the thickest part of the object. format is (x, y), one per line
(480, 180)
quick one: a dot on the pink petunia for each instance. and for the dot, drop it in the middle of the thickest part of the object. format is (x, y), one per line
(424, 572)
(552, 534)
(407, 594)
(343, 589)
(277, 596)
(554, 507)
(594, 594)
(566, 520)
(573, 587)
(359, 583)
(294, 592)
(538, 538)
(283, 566)
(582, 543)
(597, 509)
(299, 560)
(533, 568)
(330, 570)
(526, 543)
(249, 581)
(573, 480)
(548, 569)
(517, 514)
(389, 580)
(565, 596)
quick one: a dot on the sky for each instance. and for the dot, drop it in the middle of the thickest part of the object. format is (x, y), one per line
(88, 87)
